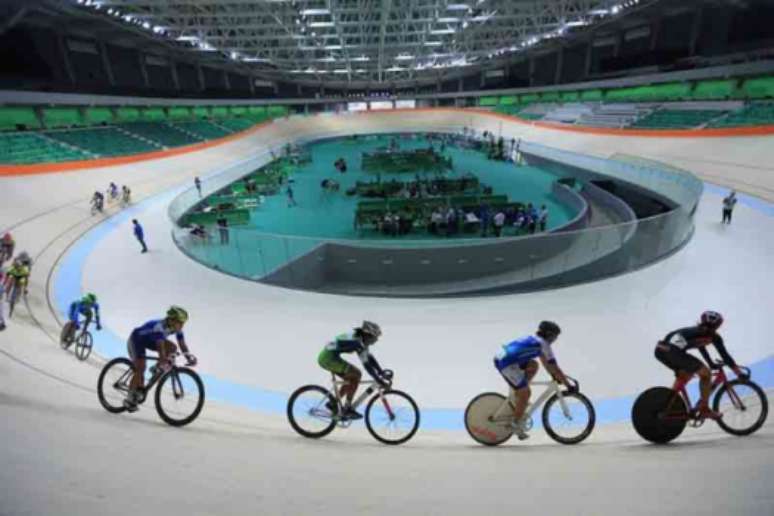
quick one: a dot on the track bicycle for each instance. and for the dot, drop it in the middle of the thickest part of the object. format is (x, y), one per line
(391, 416)
(179, 395)
(18, 288)
(660, 414)
(83, 340)
(568, 416)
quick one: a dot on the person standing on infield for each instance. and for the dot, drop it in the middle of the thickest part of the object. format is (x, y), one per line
(140, 235)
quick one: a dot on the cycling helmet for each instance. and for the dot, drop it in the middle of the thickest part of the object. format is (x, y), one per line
(371, 328)
(90, 298)
(177, 313)
(711, 319)
(548, 329)
(24, 258)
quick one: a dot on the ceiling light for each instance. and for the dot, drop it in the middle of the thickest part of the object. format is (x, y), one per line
(433, 43)
(458, 7)
(576, 23)
(341, 70)
(442, 31)
(404, 57)
(315, 12)
(361, 58)
(110, 11)
(616, 9)
(465, 25)
(187, 38)
(333, 47)
(448, 20)
(322, 24)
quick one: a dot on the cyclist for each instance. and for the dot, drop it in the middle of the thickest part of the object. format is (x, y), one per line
(672, 351)
(98, 201)
(153, 335)
(19, 275)
(126, 194)
(113, 191)
(88, 307)
(7, 245)
(2, 291)
(358, 341)
(515, 362)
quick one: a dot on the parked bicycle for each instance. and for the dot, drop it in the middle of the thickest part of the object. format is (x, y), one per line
(568, 416)
(179, 395)
(83, 340)
(391, 416)
(660, 414)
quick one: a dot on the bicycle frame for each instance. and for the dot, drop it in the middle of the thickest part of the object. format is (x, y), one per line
(373, 386)
(679, 387)
(502, 415)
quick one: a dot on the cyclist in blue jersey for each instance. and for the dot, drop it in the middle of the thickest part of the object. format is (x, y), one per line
(153, 335)
(515, 362)
(87, 307)
(357, 341)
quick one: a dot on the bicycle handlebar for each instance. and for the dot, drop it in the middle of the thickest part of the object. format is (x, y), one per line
(575, 383)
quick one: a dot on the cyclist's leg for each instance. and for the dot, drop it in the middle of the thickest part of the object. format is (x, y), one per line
(166, 351)
(137, 355)
(332, 362)
(516, 377)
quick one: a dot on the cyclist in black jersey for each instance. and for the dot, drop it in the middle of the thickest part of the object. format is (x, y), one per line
(672, 351)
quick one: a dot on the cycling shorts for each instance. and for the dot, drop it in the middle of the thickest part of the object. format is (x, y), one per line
(331, 361)
(676, 359)
(137, 349)
(514, 375)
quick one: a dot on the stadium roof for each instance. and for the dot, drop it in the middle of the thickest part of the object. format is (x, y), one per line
(348, 43)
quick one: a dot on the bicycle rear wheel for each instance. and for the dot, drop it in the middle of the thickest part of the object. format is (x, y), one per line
(309, 411)
(83, 345)
(659, 415)
(66, 335)
(481, 423)
(113, 384)
(179, 396)
(394, 420)
(744, 407)
(569, 420)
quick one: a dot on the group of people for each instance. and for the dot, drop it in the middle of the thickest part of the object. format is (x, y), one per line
(98, 199)
(449, 221)
(341, 165)
(12, 277)
(518, 362)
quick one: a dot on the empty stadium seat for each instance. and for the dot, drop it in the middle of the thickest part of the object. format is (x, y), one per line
(25, 148)
(509, 100)
(103, 142)
(13, 118)
(202, 128)
(179, 113)
(237, 124)
(714, 90)
(161, 133)
(219, 112)
(758, 88)
(488, 101)
(127, 114)
(154, 114)
(62, 117)
(677, 119)
(201, 112)
(98, 115)
(757, 113)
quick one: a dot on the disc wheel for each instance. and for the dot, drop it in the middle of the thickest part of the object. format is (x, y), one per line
(65, 336)
(179, 396)
(483, 422)
(113, 384)
(83, 345)
(309, 411)
(392, 417)
(744, 407)
(569, 420)
(659, 415)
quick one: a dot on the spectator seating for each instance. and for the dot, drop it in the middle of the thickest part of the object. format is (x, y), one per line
(164, 134)
(103, 141)
(14, 118)
(757, 113)
(60, 117)
(237, 124)
(25, 148)
(202, 128)
(758, 88)
(676, 119)
(98, 116)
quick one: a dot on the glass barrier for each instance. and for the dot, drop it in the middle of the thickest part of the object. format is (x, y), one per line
(455, 266)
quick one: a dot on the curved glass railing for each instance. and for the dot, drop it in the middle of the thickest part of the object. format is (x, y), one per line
(459, 266)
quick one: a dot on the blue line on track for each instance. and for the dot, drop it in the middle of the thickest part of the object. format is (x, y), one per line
(67, 287)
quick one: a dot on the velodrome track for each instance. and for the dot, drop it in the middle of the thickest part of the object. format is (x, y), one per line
(63, 453)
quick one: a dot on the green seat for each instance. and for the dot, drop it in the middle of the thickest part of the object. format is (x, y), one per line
(239, 110)
(179, 113)
(61, 117)
(201, 112)
(237, 124)
(488, 101)
(219, 112)
(713, 90)
(528, 98)
(551, 96)
(127, 114)
(509, 100)
(277, 111)
(161, 133)
(759, 88)
(202, 128)
(153, 114)
(592, 95)
(98, 115)
(13, 118)
(569, 96)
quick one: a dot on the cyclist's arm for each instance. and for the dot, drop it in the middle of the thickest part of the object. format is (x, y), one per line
(724, 354)
(548, 360)
(370, 363)
(181, 342)
(96, 315)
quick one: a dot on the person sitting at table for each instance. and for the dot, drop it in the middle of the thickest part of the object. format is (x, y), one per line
(436, 219)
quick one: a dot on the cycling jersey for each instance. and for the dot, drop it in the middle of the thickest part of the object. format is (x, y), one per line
(521, 351)
(149, 334)
(79, 307)
(698, 337)
(19, 272)
(350, 343)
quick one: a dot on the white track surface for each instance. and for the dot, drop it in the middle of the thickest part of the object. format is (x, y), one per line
(62, 453)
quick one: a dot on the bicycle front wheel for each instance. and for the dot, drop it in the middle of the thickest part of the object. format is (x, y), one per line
(392, 417)
(113, 384)
(483, 421)
(83, 346)
(66, 337)
(569, 419)
(179, 396)
(744, 407)
(311, 410)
